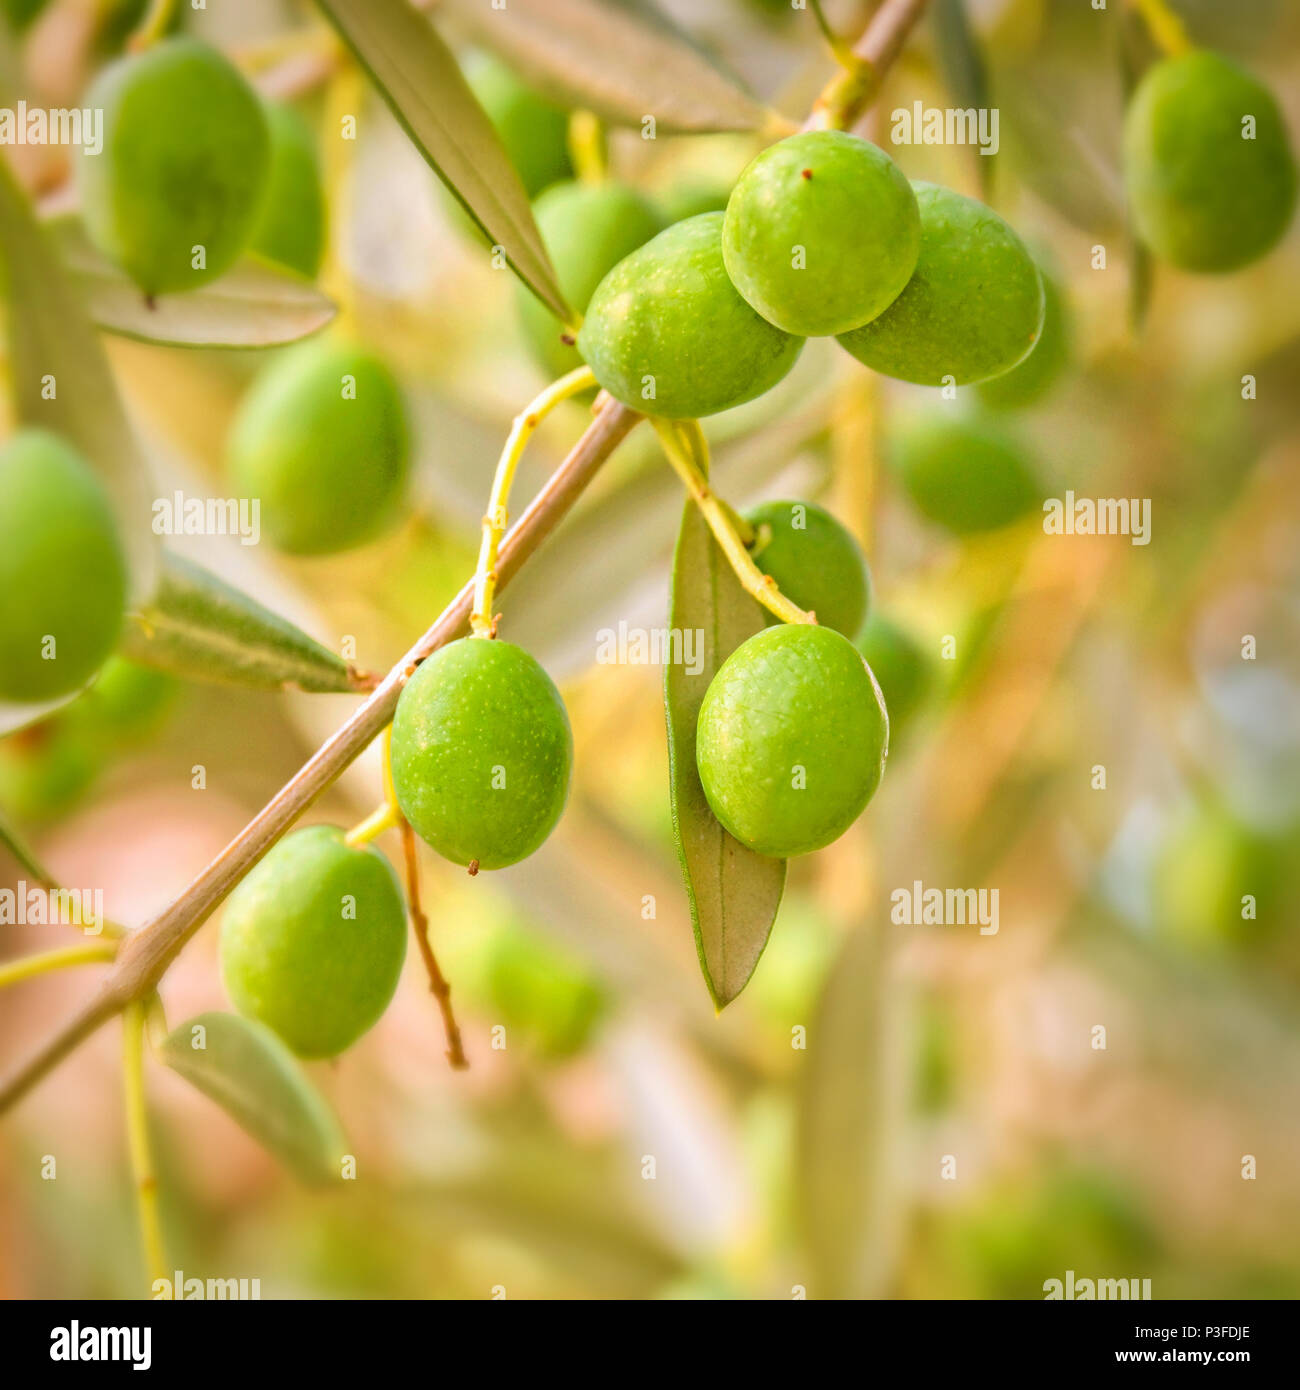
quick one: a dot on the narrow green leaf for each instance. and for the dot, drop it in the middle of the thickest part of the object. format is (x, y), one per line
(846, 1110)
(255, 305)
(418, 77)
(734, 893)
(256, 1080)
(964, 71)
(624, 62)
(61, 377)
(199, 627)
(1135, 52)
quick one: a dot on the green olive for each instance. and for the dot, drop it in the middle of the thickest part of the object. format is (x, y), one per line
(291, 228)
(821, 233)
(482, 752)
(62, 569)
(667, 334)
(313, 940)
(815, 561)
(966, 475)
(1208, 165)
(322, 442)
(973, 307)
(175, 193)
(792, 739)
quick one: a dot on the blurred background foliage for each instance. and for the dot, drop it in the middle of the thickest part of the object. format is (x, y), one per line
(1021, 662)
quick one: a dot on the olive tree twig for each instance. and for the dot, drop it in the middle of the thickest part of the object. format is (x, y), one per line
(147, 953)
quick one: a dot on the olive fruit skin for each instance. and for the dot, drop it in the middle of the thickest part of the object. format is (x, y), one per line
(184, 164)
(543, 993)
(482, 752)
(63, 573)
(313, 940)
(1034, 378)
(291, 227)
(1203, 198)
(792, 739)
(587, 229)
(535, 132)
(821, 234)
(815, 562)
(667, 334)
(329, 469)
(973, 307)
(965, 475)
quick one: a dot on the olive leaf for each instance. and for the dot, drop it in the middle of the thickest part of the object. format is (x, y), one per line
(847, 1106)
(254, 305)
(199, 627)
(734, 893)
(625, 62)
(61, 377)
(1135, 52)
(964, 71)
(256, 1080)
(417, 76)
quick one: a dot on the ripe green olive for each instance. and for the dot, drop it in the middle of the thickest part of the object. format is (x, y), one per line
(322, 441)
(1208, 165)
(313, 940)
(482, 752)
(667, 334)
(973, 307)
(62, 569)
(291, 227)
(966, 475)
(587, 228)
(174, 195)
(815, 561)
(792, 739)
(821, 234)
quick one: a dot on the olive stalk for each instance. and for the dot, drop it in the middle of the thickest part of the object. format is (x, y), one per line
(497, 517)
(148, 952)
(26, 968)
(719, 518)
(137, 1132)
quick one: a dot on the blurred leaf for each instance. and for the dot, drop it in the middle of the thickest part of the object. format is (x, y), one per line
(734, 893)
(1057, 154)
(1135, 51)
(846, 1112)
(61, 377)
(965, 73)
(200, 628)
(418, 77)
(623, 61)
(256, 304)
(256, 1080)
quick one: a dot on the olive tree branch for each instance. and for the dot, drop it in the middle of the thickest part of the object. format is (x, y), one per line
(146, 954)
(845, 98)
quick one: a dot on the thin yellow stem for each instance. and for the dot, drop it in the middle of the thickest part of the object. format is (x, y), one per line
(718, 516)
(497, 518)
(382, 818)
(137, 1133)
(153, 26)
(588, 148)
(1165, 27)
(12, 971)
